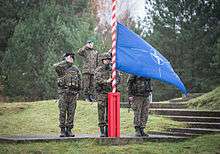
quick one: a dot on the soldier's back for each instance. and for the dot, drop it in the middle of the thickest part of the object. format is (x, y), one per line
(139, 86)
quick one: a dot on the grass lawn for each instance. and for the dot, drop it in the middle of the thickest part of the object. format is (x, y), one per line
(42, 118)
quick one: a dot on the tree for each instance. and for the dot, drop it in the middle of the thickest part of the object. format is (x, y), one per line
(186, 32)
(37, 43)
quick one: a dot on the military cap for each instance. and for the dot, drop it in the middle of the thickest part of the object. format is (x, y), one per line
(105, 56)
(89, 41)
(69, 54)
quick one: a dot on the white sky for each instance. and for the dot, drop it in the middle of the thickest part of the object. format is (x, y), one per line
(135, 7)
(138, 8)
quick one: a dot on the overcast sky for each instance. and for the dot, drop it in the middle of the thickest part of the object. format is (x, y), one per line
(138, 8)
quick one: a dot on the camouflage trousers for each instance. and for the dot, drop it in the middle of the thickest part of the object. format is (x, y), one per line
(88, 84)
(102, 110)
(140, 106)
(67, 106)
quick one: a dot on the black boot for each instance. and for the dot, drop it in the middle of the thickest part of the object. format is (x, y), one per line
(143, 133)
(106, 131)
(91, 98)
(137, 131)
(62, 132)
(87, 98)
(69, 132)
(102, 131)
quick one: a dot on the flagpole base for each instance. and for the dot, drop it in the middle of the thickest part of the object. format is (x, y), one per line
(114, 114)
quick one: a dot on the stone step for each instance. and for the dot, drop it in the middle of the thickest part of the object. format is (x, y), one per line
(194, 130)
(160, 105)
(104, 140)
(203, 125)
(184, 99)
(185, 112)
(173, 133)
(194, 119)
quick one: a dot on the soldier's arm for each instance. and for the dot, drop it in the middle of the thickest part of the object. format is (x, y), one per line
(80, 79)
(82, 51)
(130, 85)
(99, 79)
(60, 68)
(97, 59)
(150, 85)
(118, 78)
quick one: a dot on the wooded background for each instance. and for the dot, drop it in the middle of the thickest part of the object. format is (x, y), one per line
(35, 34)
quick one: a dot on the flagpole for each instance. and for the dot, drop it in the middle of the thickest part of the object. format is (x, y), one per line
(113, 97)
(113, 27)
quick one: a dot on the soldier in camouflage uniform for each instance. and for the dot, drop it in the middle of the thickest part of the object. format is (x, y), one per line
(139, 89)
(103, 86)
(69, 85)
(90, 56)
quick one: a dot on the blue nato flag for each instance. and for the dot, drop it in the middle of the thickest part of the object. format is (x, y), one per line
(135, 56)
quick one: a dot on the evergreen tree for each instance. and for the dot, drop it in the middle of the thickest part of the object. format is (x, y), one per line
(186, 33)
(37, 43)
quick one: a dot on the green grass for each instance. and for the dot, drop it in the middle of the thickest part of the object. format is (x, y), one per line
(42, 118)
(209, 144)
(209, 101)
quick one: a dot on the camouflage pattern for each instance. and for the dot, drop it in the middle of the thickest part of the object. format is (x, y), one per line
(102, 74)
(69, 85)
(67, 106)
(89, 65)
(102, 100)
(140, 106)
(88, 84)
(90, 59)
(139, 88)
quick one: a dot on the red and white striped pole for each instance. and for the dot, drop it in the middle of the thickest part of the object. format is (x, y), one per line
(113, 24)
(114, 97)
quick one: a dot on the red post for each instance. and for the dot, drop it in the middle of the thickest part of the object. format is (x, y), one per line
(114, 114)
(117, 107)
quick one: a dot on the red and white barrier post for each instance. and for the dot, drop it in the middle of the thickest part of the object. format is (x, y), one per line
(114, 97)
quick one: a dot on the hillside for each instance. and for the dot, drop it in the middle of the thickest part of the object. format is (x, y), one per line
(210, 100)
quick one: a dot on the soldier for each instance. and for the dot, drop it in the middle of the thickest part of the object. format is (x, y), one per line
(90, 56)
(139, 89)
(69, 85)
(103, 86)
(100, 58)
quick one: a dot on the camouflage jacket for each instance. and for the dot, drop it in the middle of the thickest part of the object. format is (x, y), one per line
(69, 77)
(90, 59)
(101, 76)
(138, 86)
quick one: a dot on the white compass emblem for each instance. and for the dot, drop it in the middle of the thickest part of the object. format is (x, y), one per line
(157, 58)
